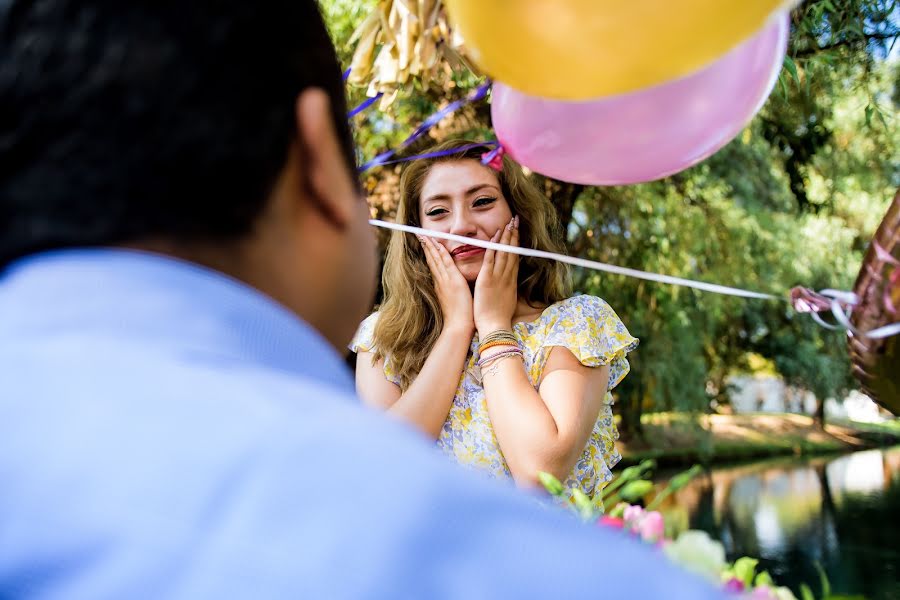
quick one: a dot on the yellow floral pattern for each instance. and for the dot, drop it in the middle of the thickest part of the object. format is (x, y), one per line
(591, 330)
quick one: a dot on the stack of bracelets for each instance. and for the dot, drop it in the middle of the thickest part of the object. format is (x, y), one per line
(507, 344)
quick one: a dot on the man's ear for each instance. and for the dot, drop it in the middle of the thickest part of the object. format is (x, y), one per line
(324, 169)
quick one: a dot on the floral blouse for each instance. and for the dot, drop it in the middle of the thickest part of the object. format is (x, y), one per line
(592, 331)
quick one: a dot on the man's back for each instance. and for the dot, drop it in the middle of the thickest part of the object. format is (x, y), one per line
(168, 432)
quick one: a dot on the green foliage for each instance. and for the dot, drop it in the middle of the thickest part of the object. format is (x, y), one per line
(630, 486)
(823, 579)
(744, 569)
(675, 484)
(633, 491)
(583, 504)
(553, 485)
(806, 592)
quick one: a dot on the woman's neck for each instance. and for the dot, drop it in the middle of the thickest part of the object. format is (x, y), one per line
(525, 312)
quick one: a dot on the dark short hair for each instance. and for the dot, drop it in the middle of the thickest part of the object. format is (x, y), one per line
(128, 119)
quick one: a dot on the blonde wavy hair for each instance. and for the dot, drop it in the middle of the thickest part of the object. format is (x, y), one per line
(410, 318)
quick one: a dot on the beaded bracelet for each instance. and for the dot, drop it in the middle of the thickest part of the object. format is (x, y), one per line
(501, 335)
(495, 342)
(495, 364)
(489, 359)
(484, 347)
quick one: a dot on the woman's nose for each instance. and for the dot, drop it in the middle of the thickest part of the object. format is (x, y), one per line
(463, 225)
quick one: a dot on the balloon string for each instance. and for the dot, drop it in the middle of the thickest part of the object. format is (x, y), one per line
(840, 303)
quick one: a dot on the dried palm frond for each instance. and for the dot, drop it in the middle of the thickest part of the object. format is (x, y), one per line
(404, 40)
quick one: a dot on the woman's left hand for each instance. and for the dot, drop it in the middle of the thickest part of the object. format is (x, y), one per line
(496, 289)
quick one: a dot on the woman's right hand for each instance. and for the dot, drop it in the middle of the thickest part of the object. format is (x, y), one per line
(453, 292)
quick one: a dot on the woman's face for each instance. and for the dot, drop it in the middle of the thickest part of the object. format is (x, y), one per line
(463, 197)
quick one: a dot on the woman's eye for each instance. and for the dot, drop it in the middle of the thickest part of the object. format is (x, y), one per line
(435, 212)
(487, 200)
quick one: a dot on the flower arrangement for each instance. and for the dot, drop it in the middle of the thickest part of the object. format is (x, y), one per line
(693, 550)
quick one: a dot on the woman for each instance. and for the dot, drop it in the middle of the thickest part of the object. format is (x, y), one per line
(488, 354)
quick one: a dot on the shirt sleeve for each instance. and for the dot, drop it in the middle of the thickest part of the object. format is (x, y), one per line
(364, 341)
(589, 328)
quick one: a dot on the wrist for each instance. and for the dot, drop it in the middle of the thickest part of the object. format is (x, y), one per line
(491, 326)
(457, 329)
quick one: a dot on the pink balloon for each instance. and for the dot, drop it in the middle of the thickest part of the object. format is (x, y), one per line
(648, 134)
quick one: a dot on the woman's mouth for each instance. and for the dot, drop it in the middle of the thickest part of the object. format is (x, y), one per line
(463, 252)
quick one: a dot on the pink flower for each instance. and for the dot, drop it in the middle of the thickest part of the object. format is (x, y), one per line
(612, 522)
(632, 514)
(761, 592)
(734, 585)
(652, 527)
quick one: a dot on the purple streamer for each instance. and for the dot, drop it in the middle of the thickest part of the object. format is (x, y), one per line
(430, 122)
(437, 154)
(364, 105)
(347, 74)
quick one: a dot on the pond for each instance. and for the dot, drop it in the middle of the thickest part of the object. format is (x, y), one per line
(840, 512)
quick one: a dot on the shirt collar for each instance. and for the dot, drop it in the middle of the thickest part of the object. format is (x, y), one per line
(160, 299)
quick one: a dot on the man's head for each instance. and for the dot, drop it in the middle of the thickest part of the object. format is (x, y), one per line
(214, 131)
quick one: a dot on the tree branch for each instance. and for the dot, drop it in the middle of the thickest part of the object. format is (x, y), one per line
(808, 52)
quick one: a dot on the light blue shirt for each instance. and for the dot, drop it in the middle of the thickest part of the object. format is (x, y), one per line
(168, 432)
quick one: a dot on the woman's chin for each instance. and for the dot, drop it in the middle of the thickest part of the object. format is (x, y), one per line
(470, 272)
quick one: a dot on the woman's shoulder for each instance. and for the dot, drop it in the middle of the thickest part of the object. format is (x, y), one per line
(579, 305)
(576, 318)
(589, 327)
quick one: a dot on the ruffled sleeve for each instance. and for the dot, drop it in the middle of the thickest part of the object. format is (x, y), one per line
(364, 341)
(593, 332)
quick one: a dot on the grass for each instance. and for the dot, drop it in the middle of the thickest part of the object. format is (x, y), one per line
(679, 438)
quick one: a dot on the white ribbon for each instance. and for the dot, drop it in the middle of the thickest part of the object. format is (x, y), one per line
(842, 316)
(838, 297)
(578, 262)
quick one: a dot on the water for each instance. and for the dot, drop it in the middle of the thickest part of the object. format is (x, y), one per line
(842, 513)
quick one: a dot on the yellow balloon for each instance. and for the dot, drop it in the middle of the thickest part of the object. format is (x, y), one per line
(580, 49)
